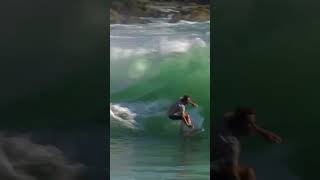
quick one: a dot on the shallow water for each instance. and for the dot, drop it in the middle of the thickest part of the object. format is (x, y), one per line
(149, 158)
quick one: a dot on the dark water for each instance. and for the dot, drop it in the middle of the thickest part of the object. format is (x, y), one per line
(267, 56)
(53, 80)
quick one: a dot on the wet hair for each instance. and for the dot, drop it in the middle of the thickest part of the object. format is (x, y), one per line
(239, 121)
(184, 98)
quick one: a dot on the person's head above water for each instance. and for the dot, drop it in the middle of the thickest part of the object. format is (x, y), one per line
(185, 99)
(243, 122)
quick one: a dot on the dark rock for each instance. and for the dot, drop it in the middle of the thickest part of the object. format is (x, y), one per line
(134, 20)
(117, 18)
(129, 11)
(197, 14)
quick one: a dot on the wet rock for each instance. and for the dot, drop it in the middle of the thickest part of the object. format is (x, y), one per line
(130, 11)
(197, 14)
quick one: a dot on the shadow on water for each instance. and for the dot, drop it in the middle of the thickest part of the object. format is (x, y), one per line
(53, 77)
(267, 56)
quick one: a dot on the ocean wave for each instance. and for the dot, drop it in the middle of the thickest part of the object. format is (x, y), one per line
(164, 46)
(153, 67)
(149, 117)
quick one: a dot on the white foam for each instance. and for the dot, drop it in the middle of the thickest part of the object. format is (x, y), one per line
(198, 42)
(123, 53)
(131, 115)
(128, 41)
(126, 25)
(172, 46)
(122, 116)
(179, 46)
(164, 46)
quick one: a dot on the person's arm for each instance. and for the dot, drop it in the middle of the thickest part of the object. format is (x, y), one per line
(193, 103)
(268, 135)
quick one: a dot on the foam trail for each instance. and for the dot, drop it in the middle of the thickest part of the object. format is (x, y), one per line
(122, 117)
(136, 115)
(131, 115)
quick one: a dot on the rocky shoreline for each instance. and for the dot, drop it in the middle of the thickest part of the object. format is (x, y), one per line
(135, 11)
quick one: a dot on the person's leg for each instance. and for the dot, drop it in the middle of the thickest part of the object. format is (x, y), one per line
(247, 173)
(188, 120)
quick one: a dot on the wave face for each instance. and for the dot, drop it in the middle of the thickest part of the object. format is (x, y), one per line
(152, 66)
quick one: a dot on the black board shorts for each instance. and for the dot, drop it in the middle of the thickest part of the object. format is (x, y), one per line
(175, 117)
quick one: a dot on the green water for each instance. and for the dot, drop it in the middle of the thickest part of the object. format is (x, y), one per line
(171, 78)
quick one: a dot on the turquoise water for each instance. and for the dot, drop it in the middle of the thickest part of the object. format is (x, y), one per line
(152, 66)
